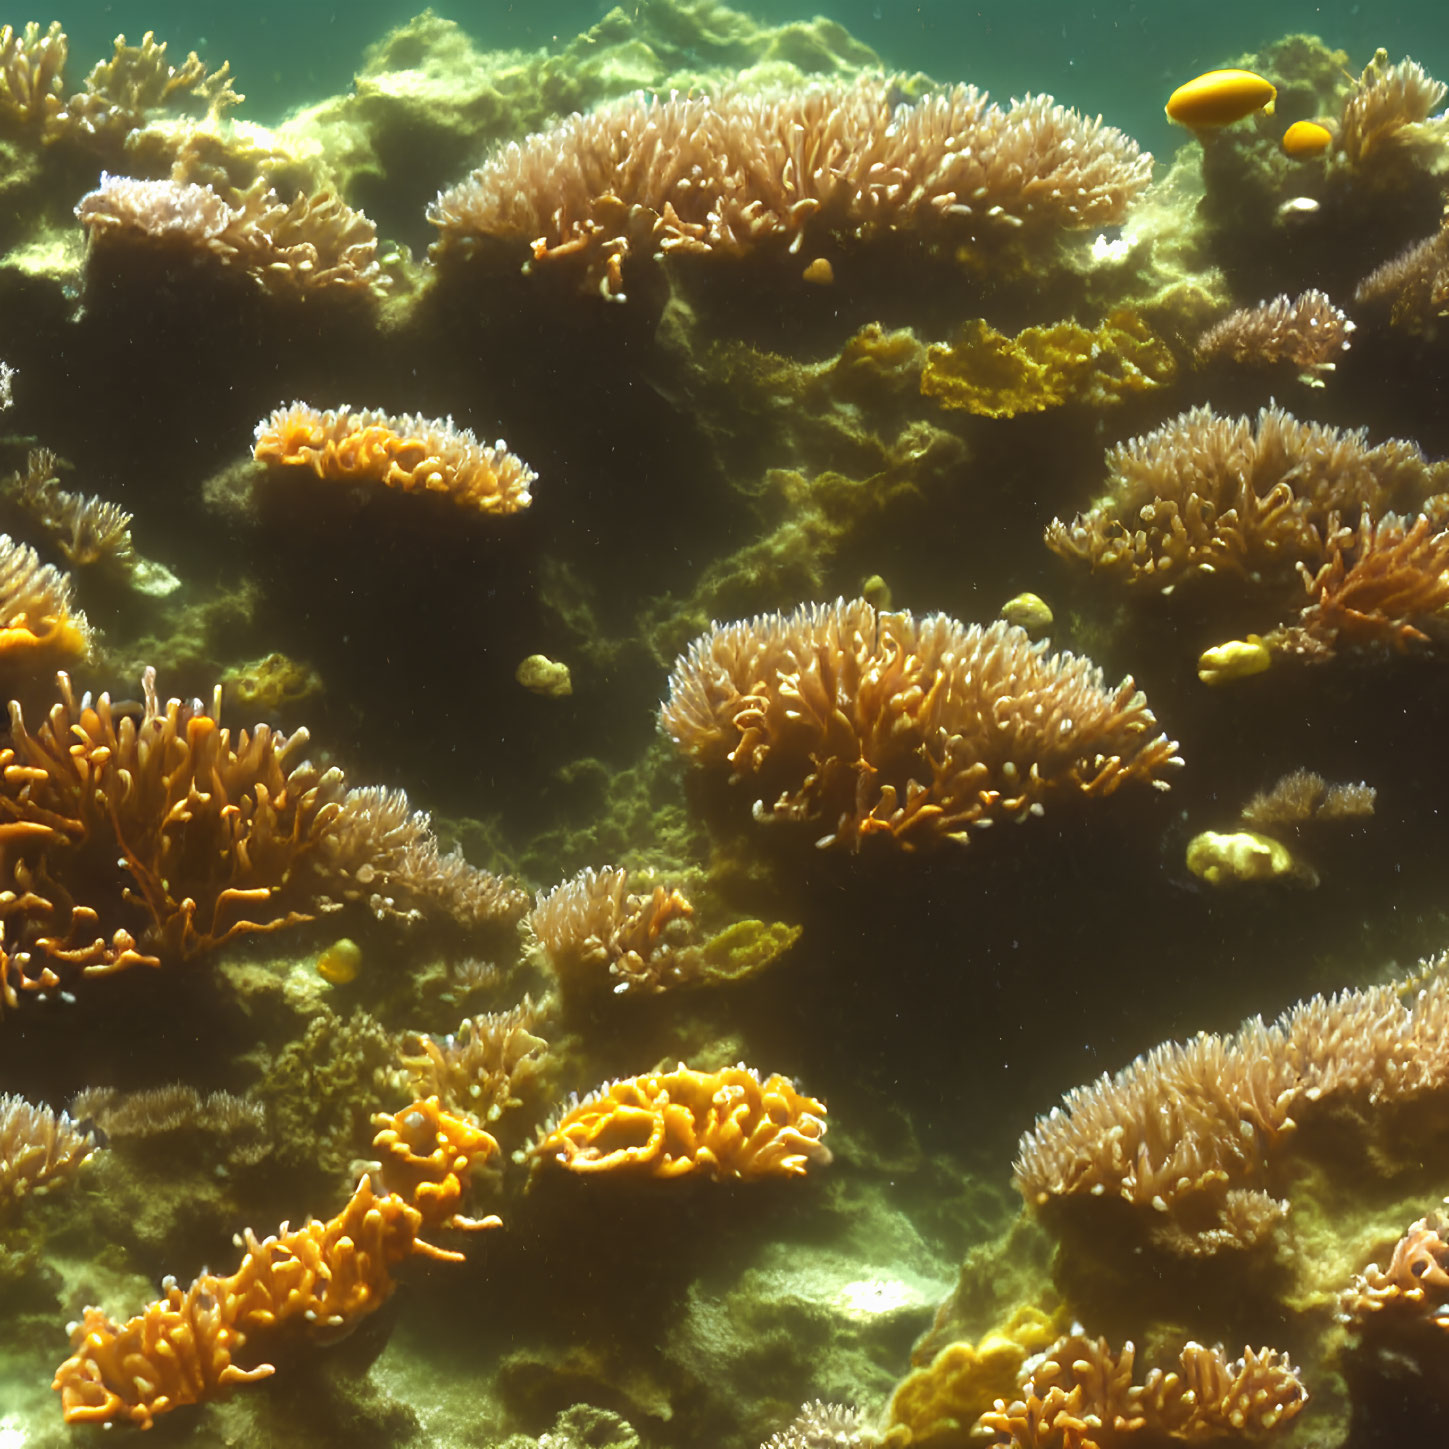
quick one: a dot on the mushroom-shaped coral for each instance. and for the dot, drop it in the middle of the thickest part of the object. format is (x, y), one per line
(912, 729)
(724, 1124)
(412, 454)
(729, 174)
(321, 1278)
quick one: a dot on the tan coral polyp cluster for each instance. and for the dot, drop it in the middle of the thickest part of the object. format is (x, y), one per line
(724, 175)
(1307, 331)
(915, 730)
(322, 1278)
(594, 928)
(1388, 113)
(410, 453)
(39, 1149)
(1196, 1124)
(725, 1124)
(313, 243)
(481, 1069)
(1205, 494)
(1080, 1395)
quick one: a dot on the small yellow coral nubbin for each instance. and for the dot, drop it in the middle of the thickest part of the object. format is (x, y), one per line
(1304, 140)
(1219, 98)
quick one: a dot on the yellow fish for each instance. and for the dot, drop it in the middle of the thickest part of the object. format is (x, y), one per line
(1304, 140)
(1219, 98)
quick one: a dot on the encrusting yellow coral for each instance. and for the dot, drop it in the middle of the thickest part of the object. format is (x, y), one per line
(410, 453)
(725, 1124)
(985, 372)
(321, 1278)
(726, 175)
(916, 730)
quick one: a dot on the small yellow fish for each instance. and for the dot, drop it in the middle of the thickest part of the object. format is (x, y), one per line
(1219, 98)
(1304, 140)
(340, 962)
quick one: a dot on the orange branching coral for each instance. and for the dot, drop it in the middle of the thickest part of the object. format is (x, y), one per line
(320, 1279)
(481, 1069)
(726, 1124)
(1307, 331)
(1414, 286)
(1383, 585)
(215, 840)
(912, 729)
(40, 1150)
(1183, 1128)
(381, 851)
(411, 453)
(1412, 1291)
(595, 930)
(1080, 1395)
(728, 174)
(312, 243)
(40, 629)
(1205, 494)
(1388, 113)
(31, 63)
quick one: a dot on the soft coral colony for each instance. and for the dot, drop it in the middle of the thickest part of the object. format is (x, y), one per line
(851, 761)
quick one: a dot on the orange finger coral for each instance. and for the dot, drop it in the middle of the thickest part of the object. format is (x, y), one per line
(410, 453)
(321, 1278)
(1080, 1394)
(726, 1124)
(183, 838)
(911, 729)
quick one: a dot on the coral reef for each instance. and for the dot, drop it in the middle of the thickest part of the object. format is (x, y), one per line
(912, 729)
(415, 455)
(725, 1124)
(40, 629)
